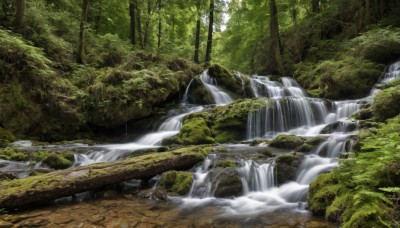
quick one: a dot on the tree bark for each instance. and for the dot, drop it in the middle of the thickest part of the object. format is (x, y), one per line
(19, 15)
(159, 25)
(132, 7)
(147, 24)
(198, 27)
(85, 4)
(139, 25)
(315, 6)
(210, 32)
(98, 18)
(367, 11)
(275, 38)
(33, 190)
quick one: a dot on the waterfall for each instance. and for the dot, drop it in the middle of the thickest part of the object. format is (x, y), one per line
(256, 177)
(220, 97)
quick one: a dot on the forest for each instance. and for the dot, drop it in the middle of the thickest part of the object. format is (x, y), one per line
(200, 113)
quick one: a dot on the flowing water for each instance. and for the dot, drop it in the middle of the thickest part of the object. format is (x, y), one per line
(290, 111)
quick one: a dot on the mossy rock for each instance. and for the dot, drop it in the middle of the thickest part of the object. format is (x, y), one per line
(194, 132)
(322, 192)
(363, 114)
(310, 144)
(287, 142)
(227, 163)
(229, 122)
(14, 154)
(6, 137)
(226, 79)
(286, 166)
(267, 153)
(59, 161)
(305, 148)
(229, 185)
(178, 182)
(198, 93)
(386, 103)
(339, 126)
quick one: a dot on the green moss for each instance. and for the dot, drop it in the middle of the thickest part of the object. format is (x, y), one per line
(227, 163)
(287, 141)
(13, 153)
(176, 181)
(57, 161)
(6, 137)
(322, 192)
(386, 103)
(194, 132)
(229, 185)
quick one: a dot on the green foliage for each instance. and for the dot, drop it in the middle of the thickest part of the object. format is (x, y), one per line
(361, 179)
(6, 137)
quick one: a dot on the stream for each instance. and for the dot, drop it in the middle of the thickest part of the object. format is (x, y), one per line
(263, 200)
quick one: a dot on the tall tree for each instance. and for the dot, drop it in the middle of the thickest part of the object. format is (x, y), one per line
(315, 6)
(19, 15)
(210, 32)
(139, 25)
(198, 27)
(147, 23)
(275, 38)
(159, 24)
(132, 7)
(85, 4)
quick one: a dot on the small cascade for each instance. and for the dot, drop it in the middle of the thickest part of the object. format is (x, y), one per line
(220, 97)
(285, 114)
(393, 73)
(256, 177)
(202, 184)
(239, 75)
(262, 86)
(186, 95)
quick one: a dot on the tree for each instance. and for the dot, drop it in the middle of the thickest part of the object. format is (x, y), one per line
(198, 27)
(315, 6)
(85, 4)
(159, 24)
(132, 7)
(210, 32)
(275, 38)
(19, 15)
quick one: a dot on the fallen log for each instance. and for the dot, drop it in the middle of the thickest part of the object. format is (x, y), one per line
(37, 189)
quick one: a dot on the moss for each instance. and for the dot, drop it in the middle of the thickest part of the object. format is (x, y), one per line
(6, 137)
(305, 148)
(287, 141)
(386, 103)
(267, 153)
(227, 163)
(57, 161)
(363, 114)
(13, 153)
(322, 192)
(176, 181)
(195, 131)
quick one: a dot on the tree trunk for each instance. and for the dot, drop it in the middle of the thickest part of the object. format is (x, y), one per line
(132, 6)
(147, 25)
(34, 190)
(98, 18)
(275, 39)
(210, 32)
(367, 11)
(315, 6)
(198, 27)
(82, 31)
(139, 25)
(159, 24)
(19, 15)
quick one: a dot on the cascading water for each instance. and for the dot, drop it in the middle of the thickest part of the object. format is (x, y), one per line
(220, 97)
(289, 112)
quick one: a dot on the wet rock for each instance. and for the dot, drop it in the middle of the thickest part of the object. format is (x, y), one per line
(62, 220)
(287, 142)
(339, 126)
(310, 144)
(157, 193)
(110, 194)
(316, 224)
(34, 223)
(287, 165)
(363, 114)
(227, 163)
(230, 185)
(267, 153)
